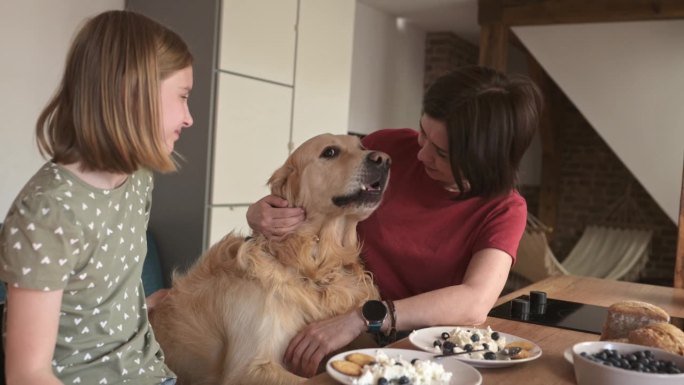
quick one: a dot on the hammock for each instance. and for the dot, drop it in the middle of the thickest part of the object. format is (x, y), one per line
(535, 259)
(605, 252)
(616, 252)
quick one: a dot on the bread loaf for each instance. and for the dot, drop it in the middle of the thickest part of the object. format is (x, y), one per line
(659, 335)
(626, 316)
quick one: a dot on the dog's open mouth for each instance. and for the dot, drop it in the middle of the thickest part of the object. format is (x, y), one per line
(369, 193)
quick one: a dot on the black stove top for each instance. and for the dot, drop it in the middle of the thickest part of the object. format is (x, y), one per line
(561, 314)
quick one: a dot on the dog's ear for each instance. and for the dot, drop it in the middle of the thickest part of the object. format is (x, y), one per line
(285, 183)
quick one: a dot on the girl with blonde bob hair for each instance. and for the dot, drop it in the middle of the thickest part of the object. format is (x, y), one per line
(106, 112)
(74, 240)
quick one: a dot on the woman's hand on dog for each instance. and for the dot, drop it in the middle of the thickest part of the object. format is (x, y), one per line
(318, 339)
(271, 217)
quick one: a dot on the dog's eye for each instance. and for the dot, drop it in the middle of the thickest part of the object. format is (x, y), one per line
(330, 152)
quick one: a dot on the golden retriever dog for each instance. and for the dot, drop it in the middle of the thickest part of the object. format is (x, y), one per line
(229, 319)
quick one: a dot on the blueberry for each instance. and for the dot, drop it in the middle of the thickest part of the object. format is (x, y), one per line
(640, 361)
(468, 348)
(383, 381)
(485, 346)
(490, 356)
(475, 337)
(413, 361)
(404, 380)
(445, 336)
(437, 343)
(448, 347)
(495, 336)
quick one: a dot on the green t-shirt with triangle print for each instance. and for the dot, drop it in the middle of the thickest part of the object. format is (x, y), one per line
(63, 234)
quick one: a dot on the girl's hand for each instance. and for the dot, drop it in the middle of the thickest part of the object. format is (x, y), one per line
(155, 299)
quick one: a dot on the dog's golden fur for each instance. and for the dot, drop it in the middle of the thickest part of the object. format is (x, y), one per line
(229, 319)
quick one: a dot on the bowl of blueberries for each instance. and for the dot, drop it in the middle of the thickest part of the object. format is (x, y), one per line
(617, 363)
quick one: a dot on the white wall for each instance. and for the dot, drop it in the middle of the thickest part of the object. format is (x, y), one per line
(387, 72)
(34, 38)
(627, 79)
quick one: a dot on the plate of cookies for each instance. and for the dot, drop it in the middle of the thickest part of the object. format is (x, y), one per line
(479, 347)
(399, 366)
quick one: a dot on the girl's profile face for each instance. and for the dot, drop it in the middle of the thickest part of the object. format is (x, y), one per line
(174, 94)
(434, 150)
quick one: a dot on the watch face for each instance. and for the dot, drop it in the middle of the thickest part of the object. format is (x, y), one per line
(374, 311)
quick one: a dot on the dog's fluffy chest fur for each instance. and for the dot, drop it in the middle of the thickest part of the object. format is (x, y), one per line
(254, 286)
(331, 278)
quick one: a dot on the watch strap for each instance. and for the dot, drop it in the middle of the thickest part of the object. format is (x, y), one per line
(374, 326)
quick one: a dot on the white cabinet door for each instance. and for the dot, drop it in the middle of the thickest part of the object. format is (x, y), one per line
(251, 139)
(227, 219)
(324, 59)
(258, 38)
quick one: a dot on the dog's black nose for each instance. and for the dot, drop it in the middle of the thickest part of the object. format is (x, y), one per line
(380, 159)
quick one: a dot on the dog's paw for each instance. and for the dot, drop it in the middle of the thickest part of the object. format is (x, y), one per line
(347, 367)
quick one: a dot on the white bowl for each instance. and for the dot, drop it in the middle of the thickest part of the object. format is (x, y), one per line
(588, 372)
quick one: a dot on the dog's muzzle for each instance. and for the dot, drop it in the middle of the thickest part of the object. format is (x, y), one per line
(372, 179)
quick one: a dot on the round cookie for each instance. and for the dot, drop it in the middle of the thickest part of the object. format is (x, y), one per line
(347, 367)
(525, 348)
(360, 359)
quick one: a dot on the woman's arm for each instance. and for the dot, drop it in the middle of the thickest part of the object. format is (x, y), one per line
(32, 324)
(271, 217)
(464, 304)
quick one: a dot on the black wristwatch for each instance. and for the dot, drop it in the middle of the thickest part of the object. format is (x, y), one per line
(374, 313)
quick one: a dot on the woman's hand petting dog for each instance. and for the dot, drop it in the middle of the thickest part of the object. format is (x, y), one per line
(271, 217)
(318, 339)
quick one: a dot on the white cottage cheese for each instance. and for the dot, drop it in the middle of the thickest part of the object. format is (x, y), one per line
(464, 336)
(421, 372)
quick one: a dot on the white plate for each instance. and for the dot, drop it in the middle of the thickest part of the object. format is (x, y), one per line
(462, 373)
(568, 355)
(424, 338)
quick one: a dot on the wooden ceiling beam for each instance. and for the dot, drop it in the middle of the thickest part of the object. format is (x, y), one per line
(494, 46)
(543, 12)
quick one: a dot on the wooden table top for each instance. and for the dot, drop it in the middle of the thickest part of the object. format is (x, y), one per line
(551, 368)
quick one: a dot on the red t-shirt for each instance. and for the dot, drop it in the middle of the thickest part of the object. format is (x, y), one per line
(420, 240)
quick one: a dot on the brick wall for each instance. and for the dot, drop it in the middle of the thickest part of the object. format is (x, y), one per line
(445, 51)
(592, 178)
